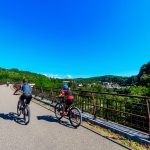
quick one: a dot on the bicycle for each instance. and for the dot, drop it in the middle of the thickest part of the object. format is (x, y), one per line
(74, 114)
(23, 108)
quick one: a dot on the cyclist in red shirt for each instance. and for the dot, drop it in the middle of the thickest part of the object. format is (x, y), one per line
(67, 98)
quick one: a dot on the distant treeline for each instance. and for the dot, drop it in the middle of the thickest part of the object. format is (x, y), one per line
(143, 78)
(15, 75)
(108, 78)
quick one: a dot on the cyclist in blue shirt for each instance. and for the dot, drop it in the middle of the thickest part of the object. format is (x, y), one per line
(26, 89)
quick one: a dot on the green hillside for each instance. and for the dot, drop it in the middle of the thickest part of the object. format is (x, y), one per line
(144, 75)
(15, 75)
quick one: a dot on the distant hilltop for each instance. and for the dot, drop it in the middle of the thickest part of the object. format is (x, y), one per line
(143, 78)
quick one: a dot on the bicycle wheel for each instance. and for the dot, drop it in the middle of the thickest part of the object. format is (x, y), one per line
(26, 114)
(18, 108)
(58, 109)
(75, 117)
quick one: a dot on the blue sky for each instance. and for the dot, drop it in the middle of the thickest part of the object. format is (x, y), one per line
(79, 38)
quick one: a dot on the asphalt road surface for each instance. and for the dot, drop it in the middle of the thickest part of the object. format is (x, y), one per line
(44, 132)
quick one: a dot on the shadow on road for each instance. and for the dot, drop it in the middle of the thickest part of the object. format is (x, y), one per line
(12, 117)
(6, 116)
(53, 119)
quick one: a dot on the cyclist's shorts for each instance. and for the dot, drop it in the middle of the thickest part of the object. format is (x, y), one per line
(70, 102)
(28, 97)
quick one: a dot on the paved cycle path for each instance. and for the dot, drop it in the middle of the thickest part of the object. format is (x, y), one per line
(44, 132)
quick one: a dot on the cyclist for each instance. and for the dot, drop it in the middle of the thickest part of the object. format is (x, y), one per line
(7, 83)
(26, 89)
(68, 98)
(17, 89)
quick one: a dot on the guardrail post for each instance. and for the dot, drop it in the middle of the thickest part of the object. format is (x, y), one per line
(82, 105)
(52, 94)
(42, 93)
(106, 115)
(94, 106)
(148, 110)
(33, 91)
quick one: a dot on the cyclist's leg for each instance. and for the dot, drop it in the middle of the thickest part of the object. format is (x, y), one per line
(15, 91)
(70, 103)
(22, 97)
(63, 111)
(28, 99)
(62, 101)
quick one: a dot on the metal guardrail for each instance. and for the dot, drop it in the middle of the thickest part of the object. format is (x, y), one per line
(128, 110)
(3, 83)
